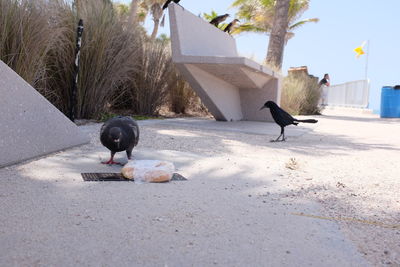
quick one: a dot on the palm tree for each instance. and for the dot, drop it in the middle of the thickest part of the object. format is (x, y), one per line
(258, 16)
(278, 34)
(133, 10)
(122, 9)
(155, 9)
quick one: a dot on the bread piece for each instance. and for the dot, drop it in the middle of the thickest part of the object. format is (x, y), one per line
(150, 171)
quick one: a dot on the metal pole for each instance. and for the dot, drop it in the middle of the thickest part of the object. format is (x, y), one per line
(75, 5)
(366, 82)
(72, 110)
(367, 61)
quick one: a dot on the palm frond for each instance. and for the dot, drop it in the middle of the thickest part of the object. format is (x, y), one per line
(210, 16)
(237, 3)
(247, 28)
(302, 22)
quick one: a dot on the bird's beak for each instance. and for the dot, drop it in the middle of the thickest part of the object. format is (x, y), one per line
(262, 107)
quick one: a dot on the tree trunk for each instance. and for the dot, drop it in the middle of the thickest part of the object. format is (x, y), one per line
(133, 12)
(155, 29)
(157, 13)
(276, 44)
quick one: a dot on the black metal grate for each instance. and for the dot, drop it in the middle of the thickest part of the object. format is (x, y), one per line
(103, 177)
(117, 177)
(178, 177)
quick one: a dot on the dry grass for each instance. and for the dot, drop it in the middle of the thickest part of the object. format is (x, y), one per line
(25, 36)
(56, 79)
(300, 95)
(38, 41)
(180, 95)
(108, 57)
(153, 79)
(119, 68)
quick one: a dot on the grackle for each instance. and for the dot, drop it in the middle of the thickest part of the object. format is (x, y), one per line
(228, 28)
(282, 118)
(217, 20)
(168, 2)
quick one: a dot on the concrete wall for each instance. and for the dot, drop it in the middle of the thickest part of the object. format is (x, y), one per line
(225, 96)
(253, 100)
(353, 94)
(199, 38)
(30, 126)
(232, 87)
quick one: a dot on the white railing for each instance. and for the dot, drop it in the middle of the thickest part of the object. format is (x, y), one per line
(351, 94)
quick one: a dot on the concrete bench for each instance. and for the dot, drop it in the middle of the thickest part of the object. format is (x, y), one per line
(232, 87)
(30, 126)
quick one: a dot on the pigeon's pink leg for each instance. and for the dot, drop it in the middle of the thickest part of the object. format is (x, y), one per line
(111, 161)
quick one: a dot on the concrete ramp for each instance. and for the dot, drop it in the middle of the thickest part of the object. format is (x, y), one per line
(232, 87)
(30, 126)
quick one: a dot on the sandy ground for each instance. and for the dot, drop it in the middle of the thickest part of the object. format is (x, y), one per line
(248, 202)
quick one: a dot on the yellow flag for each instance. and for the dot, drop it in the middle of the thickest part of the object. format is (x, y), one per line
(359, 50)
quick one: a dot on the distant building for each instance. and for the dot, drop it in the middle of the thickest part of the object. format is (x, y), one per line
(302, 70)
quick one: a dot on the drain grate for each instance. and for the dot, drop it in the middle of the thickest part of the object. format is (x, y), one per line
(102, 177)
(117, 177)
(178, 177)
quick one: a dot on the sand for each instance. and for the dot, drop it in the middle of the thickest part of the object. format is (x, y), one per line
(329, 196)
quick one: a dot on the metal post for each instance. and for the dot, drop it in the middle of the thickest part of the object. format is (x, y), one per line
(72, 110)
(367, 61)
(366, 72)
(75, 5)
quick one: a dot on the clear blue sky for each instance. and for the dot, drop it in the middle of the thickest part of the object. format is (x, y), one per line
(327, 46)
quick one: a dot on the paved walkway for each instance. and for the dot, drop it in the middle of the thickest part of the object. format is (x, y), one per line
(235, 210)
(248, 127)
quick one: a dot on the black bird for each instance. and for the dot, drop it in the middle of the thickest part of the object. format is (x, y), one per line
(217, 20)
(228, 28)
(119, 134)
(282, 118)
(168, 2)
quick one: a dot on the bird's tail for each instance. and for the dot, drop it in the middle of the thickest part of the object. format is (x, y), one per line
(307, 121)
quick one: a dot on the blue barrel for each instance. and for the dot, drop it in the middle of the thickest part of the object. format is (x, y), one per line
(390, 102)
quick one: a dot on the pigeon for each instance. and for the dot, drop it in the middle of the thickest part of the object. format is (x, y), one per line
(168, 2)
(282, 118)
(217, 20)
(119, 134)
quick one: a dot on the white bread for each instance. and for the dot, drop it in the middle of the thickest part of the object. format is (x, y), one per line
(150, 171)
